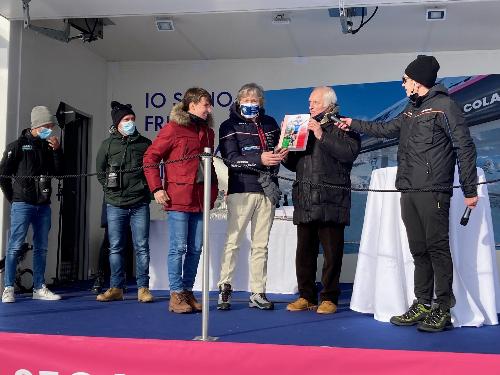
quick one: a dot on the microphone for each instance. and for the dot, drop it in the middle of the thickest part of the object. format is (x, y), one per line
(333, 117)
(465, 217)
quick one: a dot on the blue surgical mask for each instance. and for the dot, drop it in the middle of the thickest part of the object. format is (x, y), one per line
(128, 127)
(44, 133)
(249, 110)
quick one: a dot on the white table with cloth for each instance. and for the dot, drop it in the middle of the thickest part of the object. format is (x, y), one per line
(383, 284)
(281, 276)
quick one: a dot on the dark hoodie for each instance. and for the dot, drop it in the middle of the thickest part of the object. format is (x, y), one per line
(29, 156)
(241, 146)
(432, 136)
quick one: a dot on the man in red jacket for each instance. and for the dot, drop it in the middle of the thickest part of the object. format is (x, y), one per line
(186, 134)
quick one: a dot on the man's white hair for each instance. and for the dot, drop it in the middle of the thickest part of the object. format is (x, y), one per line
(329, 96)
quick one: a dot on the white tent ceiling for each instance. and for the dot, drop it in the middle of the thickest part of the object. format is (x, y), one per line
(221, 32)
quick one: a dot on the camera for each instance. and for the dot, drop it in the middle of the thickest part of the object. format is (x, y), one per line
(44, 188)
(113, 177)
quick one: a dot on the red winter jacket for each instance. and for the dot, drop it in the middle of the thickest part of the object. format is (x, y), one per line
(179, 138)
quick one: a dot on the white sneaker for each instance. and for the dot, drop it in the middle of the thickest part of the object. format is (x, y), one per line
(8, 295)
(45, 294)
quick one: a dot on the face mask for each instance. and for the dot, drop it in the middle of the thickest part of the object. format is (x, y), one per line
(44, 133)
(128, 127)
(249, 110)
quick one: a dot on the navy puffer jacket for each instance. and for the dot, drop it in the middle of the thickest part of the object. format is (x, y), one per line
(241, 146)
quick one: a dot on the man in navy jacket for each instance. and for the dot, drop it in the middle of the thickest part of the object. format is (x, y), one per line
(248, 139)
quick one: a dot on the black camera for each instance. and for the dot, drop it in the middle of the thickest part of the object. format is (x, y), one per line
(44, 188)
(113, 177)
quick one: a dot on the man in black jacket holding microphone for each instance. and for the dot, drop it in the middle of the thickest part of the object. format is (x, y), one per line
(433, 136)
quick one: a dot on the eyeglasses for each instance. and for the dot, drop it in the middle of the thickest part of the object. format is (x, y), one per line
(404, 79)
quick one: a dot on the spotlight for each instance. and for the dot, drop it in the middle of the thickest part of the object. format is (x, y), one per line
(164, 24)
(435, 14)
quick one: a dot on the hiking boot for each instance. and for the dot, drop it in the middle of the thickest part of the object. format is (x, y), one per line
(8, 295)
(98, 283)
(436, 321)
(224, 301)
(260, 301)
(192, 301)
(112, 294)
(416, 313)
(144, 295)
(301, 304)
(45, 294)
(178, 304)
(326, 307)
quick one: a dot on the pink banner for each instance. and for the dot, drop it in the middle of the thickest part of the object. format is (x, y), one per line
(29, 354)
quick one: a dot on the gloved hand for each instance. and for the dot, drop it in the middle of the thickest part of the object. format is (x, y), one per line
(271, 189)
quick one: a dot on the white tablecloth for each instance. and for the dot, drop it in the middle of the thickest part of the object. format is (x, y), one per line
(383, 284)
(281, 262)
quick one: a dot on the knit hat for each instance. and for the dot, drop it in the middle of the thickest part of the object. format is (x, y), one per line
(119, 111)
(423, 70)
(40, 116)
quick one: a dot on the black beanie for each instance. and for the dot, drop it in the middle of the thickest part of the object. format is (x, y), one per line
(423, 70)
(119, 111)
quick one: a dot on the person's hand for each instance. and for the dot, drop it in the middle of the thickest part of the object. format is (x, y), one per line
(268, 158)
(471, 202)
(53, 143)
(345, 124)
(315, 127)
(282, 151)
(161, 197)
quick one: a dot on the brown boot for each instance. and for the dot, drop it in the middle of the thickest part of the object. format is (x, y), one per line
(144, 295)
(178, 303)
(326, 307)
(191, 300)
(112, 294)
(301, 304)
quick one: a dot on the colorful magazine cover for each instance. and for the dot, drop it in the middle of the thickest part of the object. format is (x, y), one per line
(294, 132)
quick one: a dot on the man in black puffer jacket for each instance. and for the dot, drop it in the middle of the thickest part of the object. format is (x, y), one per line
(432, 135)
(320, 212)
(35, 153)
(248, 139)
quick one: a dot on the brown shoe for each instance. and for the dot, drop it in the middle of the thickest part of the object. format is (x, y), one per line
(178, 304)
(326, 307)
(144, 295)
(112, 294)
(301, 304)
(191, 300)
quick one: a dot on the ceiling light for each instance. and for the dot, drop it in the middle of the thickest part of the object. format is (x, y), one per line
(281, 19)
(164, 24)
(436, 14)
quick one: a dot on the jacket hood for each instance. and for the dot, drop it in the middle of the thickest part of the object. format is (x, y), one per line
(437, 90)
(181, 117)
(234, 112)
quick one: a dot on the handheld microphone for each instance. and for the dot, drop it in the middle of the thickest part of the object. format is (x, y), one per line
(465, 217)
(333, 117)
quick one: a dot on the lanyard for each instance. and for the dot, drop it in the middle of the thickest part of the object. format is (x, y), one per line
(262, 137)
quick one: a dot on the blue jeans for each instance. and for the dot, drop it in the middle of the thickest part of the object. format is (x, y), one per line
(186, 239)
(21, 216)
(137, 216)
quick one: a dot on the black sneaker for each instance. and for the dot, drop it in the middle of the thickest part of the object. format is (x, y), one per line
(224, 301)
(260, 301)
(438, 320)
(416, 313)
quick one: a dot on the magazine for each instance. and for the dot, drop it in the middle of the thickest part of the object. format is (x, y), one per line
(294, 132)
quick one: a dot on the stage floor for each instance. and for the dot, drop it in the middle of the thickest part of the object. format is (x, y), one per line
(78, 314)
